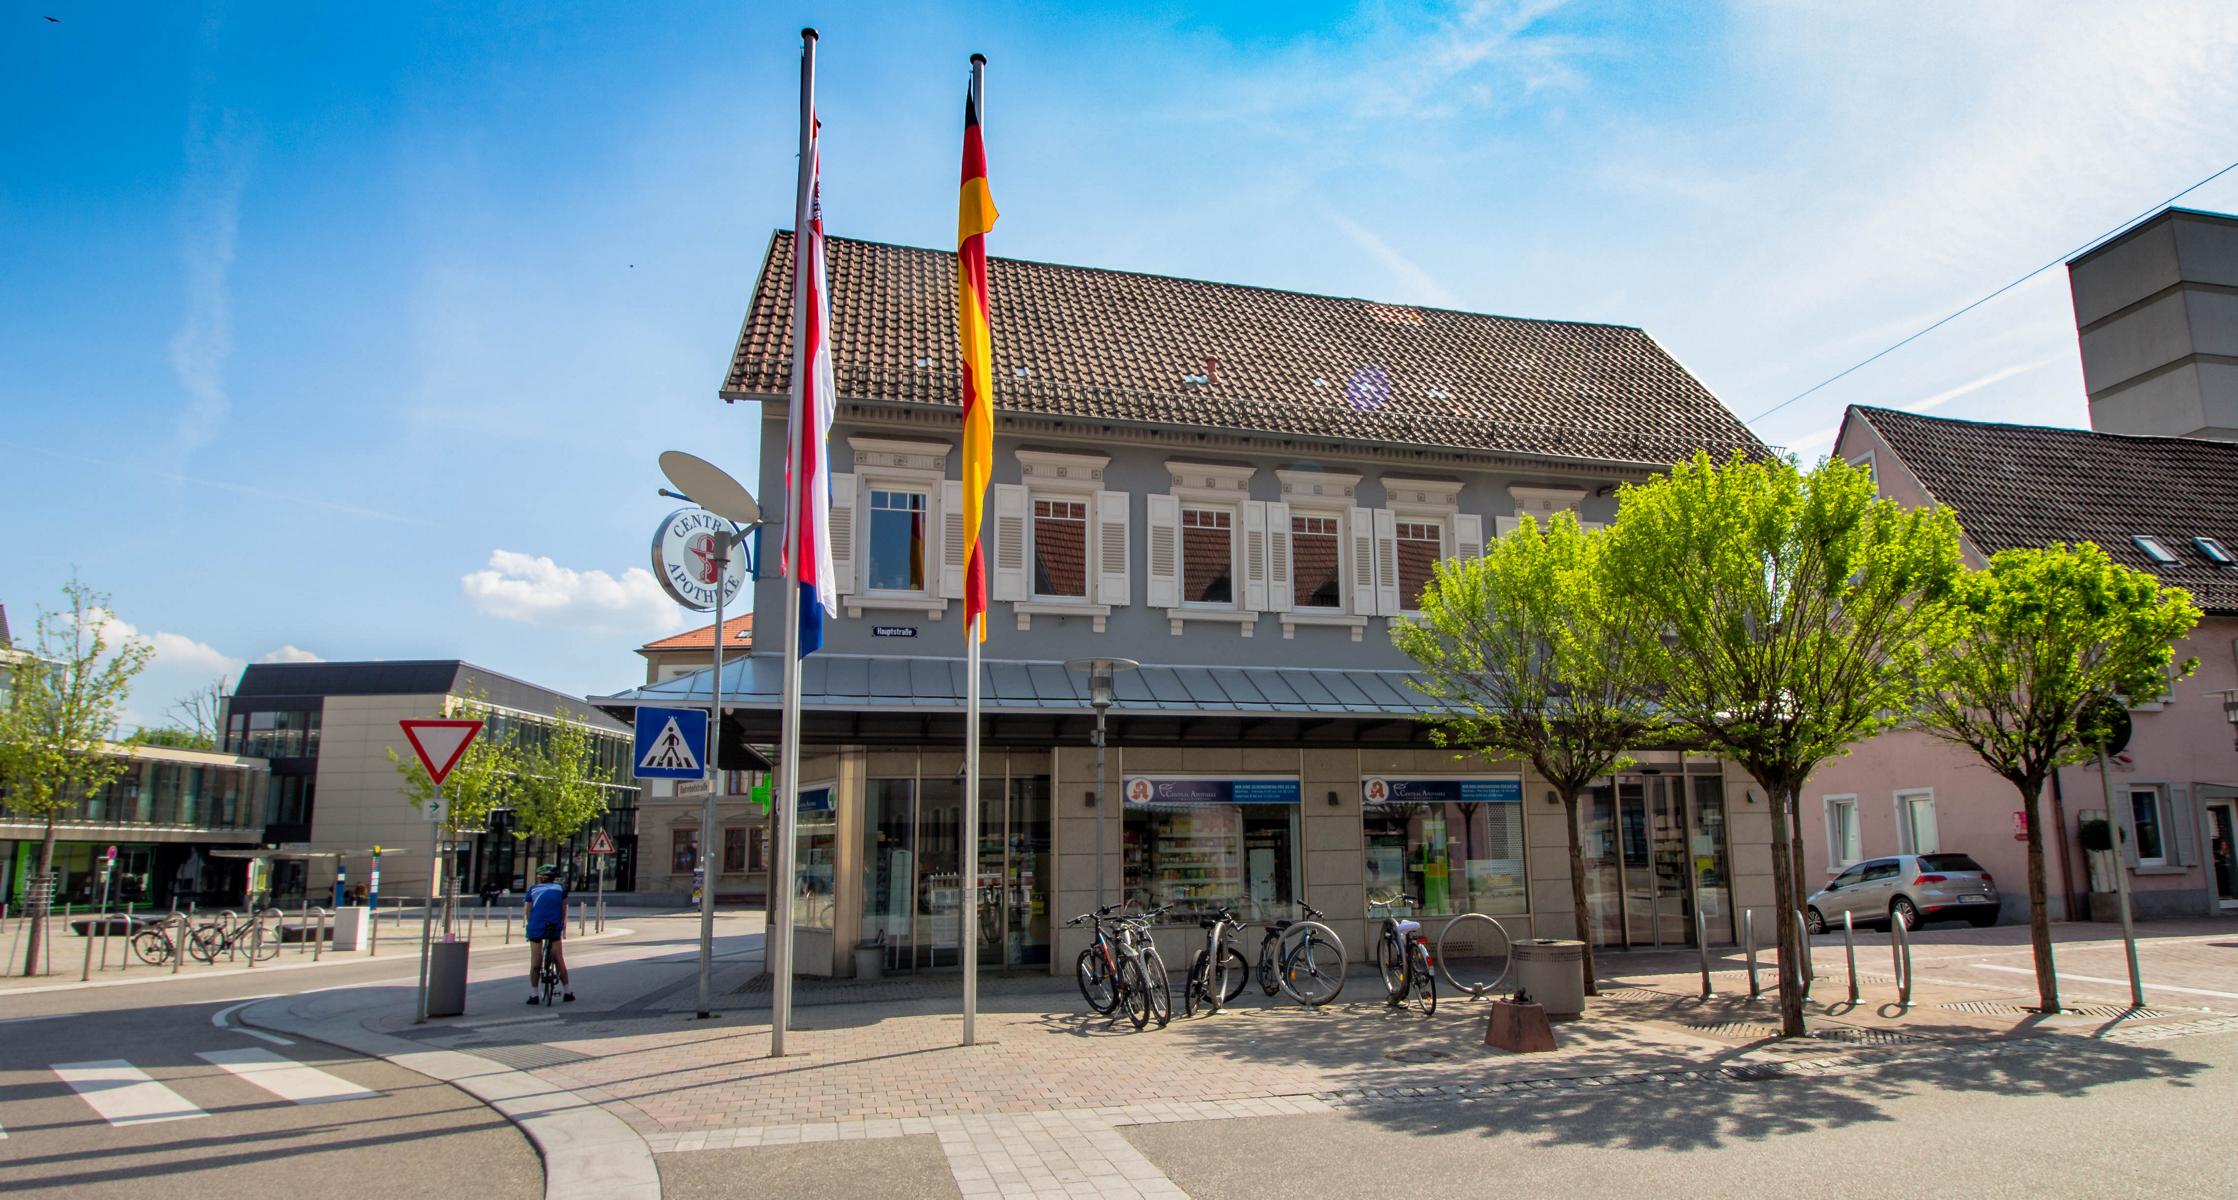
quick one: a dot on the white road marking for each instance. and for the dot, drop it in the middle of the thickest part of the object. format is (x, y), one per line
(218, 1019)
(285, 1077)
(2152, 987)
(124, 1094)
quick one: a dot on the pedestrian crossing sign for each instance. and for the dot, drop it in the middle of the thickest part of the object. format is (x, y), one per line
(671, 743)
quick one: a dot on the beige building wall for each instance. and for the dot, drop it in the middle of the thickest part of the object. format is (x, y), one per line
(360, 802)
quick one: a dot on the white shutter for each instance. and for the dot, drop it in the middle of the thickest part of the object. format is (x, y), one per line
(1468, 535)
(2185, 823)
(1280, 588)
(950, 531)
(1386, 562)
(1503, 526)
(1833, 834)
(2124, 818)
(1010, 581)
(845, 503)
(1255, 555)
(1363, 562)
(1162, 524)
(1111, 549)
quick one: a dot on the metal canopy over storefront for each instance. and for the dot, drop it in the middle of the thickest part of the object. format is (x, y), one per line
(849, 698)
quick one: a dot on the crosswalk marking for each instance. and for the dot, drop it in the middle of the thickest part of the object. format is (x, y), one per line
(124, 1094)
(285, 1077)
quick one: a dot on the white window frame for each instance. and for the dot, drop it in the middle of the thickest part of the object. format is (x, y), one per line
(1837, 859)
(1217, 486)
(2161, 823)
(1074, 478)
(1317, 494)
(1907, 834)
(1087, 505)
(890, 465)
(1412, 501)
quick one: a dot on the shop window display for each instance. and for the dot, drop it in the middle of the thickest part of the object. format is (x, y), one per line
(1456, 845)
(1199, 845)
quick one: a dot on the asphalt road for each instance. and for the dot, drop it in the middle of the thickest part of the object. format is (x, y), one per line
(2100, 1119)
(134, 1091)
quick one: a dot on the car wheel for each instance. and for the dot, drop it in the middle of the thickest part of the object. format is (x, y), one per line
(1814, 921)
(1903, 910)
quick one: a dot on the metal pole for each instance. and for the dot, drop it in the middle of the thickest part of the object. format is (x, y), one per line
(318, 942)
(1103, 802)
(179, 948)
(707, 813)
(972, 634)
(1900, 953)
(1702, 942)
(2114, 818)
(1849, 951)
(1748, 928)
(777, 937)
(1809, 969)
(427, 913)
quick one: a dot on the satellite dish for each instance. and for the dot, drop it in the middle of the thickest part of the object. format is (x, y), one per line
(710, 487)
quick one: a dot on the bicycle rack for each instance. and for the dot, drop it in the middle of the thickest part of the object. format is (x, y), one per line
(1849, 951)
(1445, 964)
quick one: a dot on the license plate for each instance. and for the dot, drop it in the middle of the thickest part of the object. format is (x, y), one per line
(1973, 899)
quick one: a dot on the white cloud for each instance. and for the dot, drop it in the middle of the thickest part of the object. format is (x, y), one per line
(289, 653)
(536, 590)
(1939, 399)
(173, 650)
(1414, 280)
(217, 170)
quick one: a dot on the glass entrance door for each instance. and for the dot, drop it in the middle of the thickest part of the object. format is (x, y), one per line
(914, 889)
(1651, 858)
(2222, 850)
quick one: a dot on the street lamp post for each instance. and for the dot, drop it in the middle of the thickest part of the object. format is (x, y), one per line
(1100, 672)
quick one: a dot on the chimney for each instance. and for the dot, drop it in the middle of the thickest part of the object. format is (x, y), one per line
(2158, 324)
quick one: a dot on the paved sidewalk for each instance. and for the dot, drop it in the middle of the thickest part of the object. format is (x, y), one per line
(1034, 1108)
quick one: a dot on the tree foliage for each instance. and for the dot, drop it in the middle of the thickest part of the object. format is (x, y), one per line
(1530, 659)
(563, 785)
(486, 778)
(67, 693)
(2019, 669)
(1788, 602)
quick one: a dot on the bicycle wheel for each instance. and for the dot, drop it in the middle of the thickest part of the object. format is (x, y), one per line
(1391, 962)
(1200, 986)
(1426, 983)
(1269, 974)
(1134, 992)
(206, 943)
(152, 947)
(1096, 985)
(1161, 986)
(1229, 980)
(551, 981)
(1312, 964)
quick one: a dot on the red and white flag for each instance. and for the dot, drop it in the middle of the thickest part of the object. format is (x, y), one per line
(807, 551)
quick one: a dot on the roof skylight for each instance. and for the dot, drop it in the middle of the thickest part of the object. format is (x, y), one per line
(2154, 550)
(2214, 551)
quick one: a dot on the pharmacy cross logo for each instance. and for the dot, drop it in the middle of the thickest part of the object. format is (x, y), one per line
(702, 550)
(670, 752)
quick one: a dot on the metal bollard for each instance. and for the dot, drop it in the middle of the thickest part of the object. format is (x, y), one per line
(318, 942)
(508, 924)
(1809, 969)
(373, 935)
(256, 937)
(1900, 950)
(1849, 951)
(179, 947)
(581, 924)
(602, 914)
(1748, 933)
(1702, 941)
(85, 971)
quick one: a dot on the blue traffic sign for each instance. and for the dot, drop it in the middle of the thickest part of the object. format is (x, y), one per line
(671, 743)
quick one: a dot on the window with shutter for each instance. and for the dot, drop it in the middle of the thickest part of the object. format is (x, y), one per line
(1010, 569)
(843, 531)
(1111, 528)
(1255, 556)
(952, 539)
(1162, 525)
(1363, 562)
(1468, 536)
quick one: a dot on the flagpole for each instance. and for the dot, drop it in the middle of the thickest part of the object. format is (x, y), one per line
(972, 632)
(777, 935)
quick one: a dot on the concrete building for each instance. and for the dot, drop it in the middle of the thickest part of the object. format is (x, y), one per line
(1241, 489)
(2155, 483)
(668, 823)
(327, 729)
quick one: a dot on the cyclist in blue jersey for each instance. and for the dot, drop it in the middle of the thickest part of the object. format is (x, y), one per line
(546, 926)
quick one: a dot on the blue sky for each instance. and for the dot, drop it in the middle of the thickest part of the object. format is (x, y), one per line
(354, 331)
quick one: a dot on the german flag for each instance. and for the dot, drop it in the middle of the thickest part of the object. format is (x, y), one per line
(975, 215)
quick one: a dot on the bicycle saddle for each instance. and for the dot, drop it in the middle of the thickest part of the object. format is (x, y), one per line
(1406, 927)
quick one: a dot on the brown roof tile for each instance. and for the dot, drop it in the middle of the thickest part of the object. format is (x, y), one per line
(2032, 485)
(739, 629)
(1120, 346)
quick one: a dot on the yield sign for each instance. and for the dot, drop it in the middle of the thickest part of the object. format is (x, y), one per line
(601, 844)
(440, 744)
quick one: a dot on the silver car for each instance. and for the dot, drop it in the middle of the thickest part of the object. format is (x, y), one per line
(1914, 888)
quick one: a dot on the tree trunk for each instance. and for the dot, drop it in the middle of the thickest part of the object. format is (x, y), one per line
(1792, 945)
(2039, 903)
(1577, 891)
(42, 907)
(1795, 847)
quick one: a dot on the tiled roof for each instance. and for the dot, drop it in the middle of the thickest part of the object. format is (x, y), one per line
(738, 634)
(2031, 485)
(1119, 346)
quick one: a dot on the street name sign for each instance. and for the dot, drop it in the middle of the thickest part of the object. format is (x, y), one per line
(671, 743)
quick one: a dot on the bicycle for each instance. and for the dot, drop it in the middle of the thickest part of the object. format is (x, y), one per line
(227, 934)
(548, 980)
(155, 945)
(1219, 973)
(1303, 959)
(1097, 968)
(1403, 957)
(1122, 968)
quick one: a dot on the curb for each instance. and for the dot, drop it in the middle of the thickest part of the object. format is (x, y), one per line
(587, 1152)
(338, 958)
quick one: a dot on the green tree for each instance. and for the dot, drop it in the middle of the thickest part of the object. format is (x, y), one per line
(563, 785)
(2035, 643)
(486, 779)
(1787, 602)
(68, 690)
(1531, 660)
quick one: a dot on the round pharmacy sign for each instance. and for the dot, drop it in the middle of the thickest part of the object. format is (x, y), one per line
(685, 549)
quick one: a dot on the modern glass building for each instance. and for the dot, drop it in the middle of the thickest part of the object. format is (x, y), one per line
(164, 814)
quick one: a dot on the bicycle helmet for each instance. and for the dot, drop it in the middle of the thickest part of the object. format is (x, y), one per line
(547, 872)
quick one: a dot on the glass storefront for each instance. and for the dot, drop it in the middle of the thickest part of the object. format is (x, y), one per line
(817, 860)
(1455, 845)
(913, 897)
(1203, 844)
(1655, 854)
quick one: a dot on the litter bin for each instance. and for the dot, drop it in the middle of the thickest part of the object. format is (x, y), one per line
(869, 958)
(446, 979)
(1552, 970)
